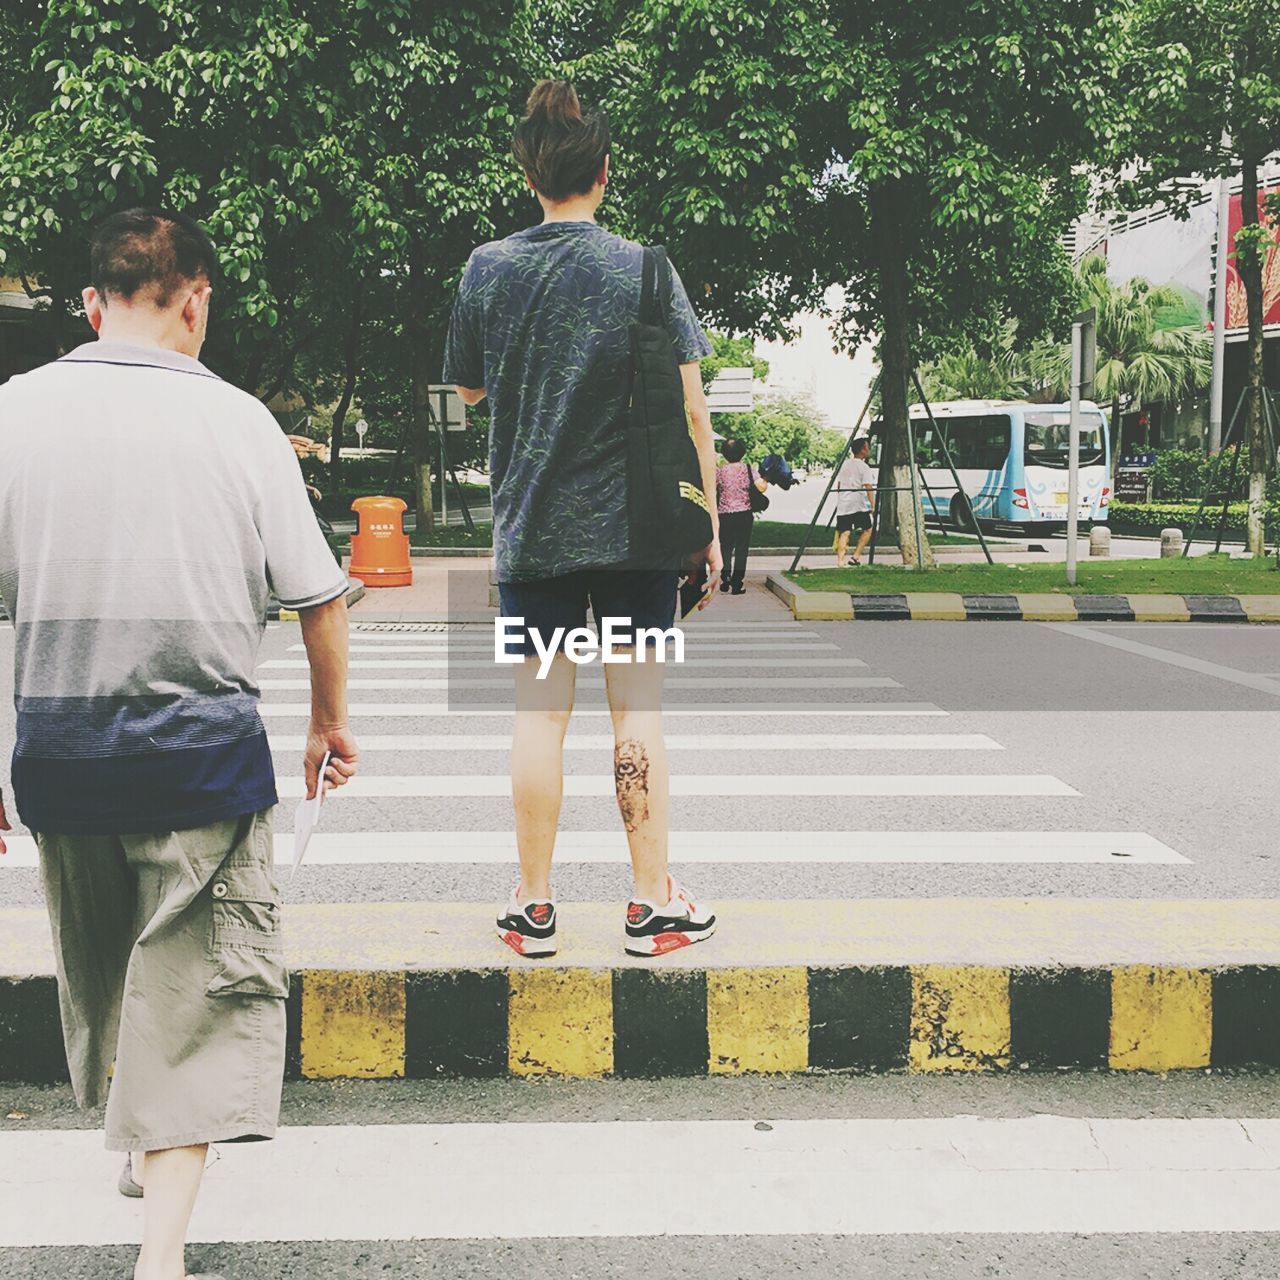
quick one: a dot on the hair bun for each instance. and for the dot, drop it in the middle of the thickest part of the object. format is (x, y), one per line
(555, 101)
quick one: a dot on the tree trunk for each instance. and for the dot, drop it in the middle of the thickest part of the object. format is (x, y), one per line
(901, 516)
(1249, 265)
(351, 372)
(421, 359)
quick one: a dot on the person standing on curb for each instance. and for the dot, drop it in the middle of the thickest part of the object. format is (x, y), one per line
(140, 540)
(855, 501)
(734, 479)
(541, 325)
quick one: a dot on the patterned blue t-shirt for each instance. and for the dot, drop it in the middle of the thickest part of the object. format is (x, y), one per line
(541, 322)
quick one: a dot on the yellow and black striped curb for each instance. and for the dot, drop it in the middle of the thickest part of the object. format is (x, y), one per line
(954, 606)
(656, 1023)
(426, 990)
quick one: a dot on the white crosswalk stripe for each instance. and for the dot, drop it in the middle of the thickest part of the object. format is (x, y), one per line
(675, 676)
(749, 742)
(488, 664)
(950, 1175)
(696, 646)
(364, 711)
(498, 848)
(704, 786)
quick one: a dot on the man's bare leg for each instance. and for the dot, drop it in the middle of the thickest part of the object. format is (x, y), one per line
(863, 539)
(173, 1179)
(842, 548)
(640, 770)
(543, 708)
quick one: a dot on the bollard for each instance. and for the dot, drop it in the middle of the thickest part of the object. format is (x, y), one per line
(1170, 543)
(380, 546)
(1099, 540)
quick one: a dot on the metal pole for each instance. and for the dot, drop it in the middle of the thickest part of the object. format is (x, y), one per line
(1211, 492)
(1219, 311)
(1073, 453)
(915, 492)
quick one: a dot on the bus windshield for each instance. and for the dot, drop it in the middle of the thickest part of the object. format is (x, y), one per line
(1048, 439)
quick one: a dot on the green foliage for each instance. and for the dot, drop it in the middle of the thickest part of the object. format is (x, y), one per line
(732, 353)
(995, 371)
(1175, 475)
(1139, 361)
(789, 425)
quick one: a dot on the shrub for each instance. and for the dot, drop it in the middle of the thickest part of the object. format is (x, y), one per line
(1176, 475)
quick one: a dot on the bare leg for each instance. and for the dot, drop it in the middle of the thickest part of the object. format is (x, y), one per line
(842, 548)
(543, 708)
(863, 538)
(173, 1179)
(640, 770)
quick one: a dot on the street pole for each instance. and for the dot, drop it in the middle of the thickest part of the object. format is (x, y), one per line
(1219, 313)
(1083, 339)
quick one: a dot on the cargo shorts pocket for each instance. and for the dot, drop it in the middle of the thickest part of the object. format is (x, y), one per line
(245, 939)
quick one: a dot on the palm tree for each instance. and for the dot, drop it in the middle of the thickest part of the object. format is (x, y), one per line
(996, 373)
(1139, 361)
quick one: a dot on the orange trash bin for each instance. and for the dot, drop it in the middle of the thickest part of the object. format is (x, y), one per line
(380, 546)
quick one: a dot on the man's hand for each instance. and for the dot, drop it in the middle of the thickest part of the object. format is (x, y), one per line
(5, 824)
(711, 557)
(343, 752)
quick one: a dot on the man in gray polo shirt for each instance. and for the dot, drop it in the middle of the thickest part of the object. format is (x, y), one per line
(147, 511)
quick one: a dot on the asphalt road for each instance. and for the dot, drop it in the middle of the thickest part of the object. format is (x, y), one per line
(1173, 736)
(1041, 1255)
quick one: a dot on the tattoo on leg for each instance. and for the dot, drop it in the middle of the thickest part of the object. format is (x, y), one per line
(631, 778)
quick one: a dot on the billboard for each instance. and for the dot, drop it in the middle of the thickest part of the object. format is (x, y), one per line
(1237, 313)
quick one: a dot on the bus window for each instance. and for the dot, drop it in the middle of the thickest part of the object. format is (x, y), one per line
(980, 443)
(1048, 439)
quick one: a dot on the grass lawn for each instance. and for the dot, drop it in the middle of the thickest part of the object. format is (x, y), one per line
(455, 535)
(1201, 575)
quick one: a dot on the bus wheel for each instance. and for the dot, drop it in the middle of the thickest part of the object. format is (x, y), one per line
(962, 514)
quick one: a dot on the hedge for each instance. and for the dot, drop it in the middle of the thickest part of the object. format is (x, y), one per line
(1149, 518)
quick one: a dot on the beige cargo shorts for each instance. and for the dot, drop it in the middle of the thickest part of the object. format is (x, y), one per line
(171, 967)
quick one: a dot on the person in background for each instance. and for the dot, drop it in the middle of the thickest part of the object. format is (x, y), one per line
(855, 501)
(138, 583)
(734, 479)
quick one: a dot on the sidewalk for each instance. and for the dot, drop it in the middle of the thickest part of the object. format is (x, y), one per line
(449, 589)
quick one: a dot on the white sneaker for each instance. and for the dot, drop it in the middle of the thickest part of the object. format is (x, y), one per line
(529, 930)
(653, 930)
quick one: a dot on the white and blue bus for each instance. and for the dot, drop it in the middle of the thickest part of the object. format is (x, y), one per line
(1012, 462)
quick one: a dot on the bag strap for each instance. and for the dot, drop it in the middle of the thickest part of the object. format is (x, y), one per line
(648, 273)
(655, 286)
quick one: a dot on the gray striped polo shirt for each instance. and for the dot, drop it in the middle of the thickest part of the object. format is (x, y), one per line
(147, 511)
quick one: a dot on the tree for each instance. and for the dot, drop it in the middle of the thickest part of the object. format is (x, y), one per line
(1140, 359)
(994, 371)
(732, 353)
(923, 157)
(789, 425)
(1209, 84)
(359, 150)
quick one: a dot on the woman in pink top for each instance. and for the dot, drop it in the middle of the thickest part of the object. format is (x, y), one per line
(734, 479)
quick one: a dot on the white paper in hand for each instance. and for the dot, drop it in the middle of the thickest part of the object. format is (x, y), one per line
(307, 817)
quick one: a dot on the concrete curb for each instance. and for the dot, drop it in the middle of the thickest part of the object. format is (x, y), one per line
(1019, 607)
(390, 990)
(659, 1022)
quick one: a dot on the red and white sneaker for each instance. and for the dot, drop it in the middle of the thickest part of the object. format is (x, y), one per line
(653, 930)
(529, 930)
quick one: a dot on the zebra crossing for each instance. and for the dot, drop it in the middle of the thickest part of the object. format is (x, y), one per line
(446, 761)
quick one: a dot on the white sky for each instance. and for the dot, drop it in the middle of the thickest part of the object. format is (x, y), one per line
(838, 383)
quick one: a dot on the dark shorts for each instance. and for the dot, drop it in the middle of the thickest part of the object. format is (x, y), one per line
(854, 520)
(638, 597)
